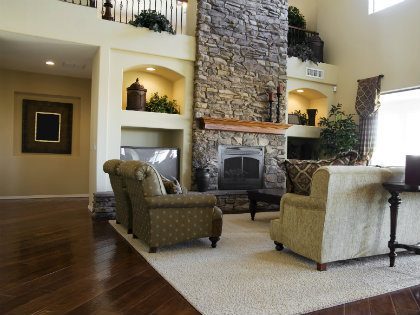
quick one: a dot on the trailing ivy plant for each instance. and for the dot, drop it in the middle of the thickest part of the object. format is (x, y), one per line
(162, 104)
(296, 18)
(153, 21)
(302, 51)
(339, 133)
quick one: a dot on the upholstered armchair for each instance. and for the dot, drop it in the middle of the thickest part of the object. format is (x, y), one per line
(124, 212)
(160, 219)
(345, 216)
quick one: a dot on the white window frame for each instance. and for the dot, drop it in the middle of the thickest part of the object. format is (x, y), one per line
(398, 128)
(379, 5)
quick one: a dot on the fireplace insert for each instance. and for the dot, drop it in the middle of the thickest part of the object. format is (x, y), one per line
(240, 167)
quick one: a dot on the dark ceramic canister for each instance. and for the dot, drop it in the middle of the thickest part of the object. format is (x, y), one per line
(412, 170)
(317, 47)
(202, 178)
(311, 116)
(136, 96)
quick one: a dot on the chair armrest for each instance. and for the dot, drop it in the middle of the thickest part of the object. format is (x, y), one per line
(181, 201)
(299, 201)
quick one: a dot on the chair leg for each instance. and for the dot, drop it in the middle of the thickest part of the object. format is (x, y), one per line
(152, 250)
(321, 267)
(130, 231)
(214, 240)
(134, 236)
(279, 246)
(116, 221)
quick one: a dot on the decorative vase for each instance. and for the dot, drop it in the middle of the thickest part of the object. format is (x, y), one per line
(136, 96)
(311, 116)
(202, 178)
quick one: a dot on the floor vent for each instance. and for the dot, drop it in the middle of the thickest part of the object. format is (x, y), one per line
(315, 73)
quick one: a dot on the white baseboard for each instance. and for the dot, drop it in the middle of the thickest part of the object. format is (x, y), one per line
(43, 196)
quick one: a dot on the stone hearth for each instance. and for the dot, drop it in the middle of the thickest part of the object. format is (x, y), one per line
(241, 53)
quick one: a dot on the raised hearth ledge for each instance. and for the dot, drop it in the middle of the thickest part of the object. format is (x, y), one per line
(242, 125)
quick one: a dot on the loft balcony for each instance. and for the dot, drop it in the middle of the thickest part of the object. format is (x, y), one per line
(125, 11)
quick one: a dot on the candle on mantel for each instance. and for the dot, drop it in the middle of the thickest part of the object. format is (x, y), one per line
(270, 96)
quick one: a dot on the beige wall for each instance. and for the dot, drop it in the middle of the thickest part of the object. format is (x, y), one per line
(309, 9)
(43, 174)
(363, 45)
(297, 102)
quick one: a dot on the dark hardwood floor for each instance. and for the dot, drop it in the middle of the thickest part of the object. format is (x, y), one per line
(55, 260)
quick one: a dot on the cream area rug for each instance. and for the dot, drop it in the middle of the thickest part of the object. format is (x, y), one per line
(246, 275)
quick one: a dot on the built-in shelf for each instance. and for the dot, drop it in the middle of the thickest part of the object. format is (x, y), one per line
(140, 119)
(225, 124)
(299, 131)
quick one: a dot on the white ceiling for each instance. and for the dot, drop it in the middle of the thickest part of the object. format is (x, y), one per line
(28, 53)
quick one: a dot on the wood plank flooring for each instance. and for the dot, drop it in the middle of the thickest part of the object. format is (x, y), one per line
(55, 260)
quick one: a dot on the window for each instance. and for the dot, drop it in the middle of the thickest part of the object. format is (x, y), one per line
(398, 128)
(378, 5)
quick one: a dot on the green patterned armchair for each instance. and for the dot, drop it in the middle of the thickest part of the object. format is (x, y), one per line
(124, 213)
(346, 216)
(160, 219)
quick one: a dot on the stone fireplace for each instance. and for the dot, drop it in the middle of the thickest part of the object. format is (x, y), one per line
(241, 53)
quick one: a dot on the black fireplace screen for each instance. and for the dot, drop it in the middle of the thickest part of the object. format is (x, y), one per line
(240, 167)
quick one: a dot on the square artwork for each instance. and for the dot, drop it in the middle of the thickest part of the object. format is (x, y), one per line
(46, 127)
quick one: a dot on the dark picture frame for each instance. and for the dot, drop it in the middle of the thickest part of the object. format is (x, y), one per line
(47, 127)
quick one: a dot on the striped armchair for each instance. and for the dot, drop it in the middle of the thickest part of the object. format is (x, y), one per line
(124, 212)
(160, 219)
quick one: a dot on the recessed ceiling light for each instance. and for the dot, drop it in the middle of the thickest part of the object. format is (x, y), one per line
(300, 91)
(50, 63)
(150, 69)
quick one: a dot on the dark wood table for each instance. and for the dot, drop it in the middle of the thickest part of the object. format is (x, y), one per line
(395, 188)
(272, 196)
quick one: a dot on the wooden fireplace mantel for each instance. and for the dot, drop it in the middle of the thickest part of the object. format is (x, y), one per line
(242, 125)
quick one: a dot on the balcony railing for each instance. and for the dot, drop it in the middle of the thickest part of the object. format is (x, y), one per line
(124, 11)
(304, 38)
(298, 35)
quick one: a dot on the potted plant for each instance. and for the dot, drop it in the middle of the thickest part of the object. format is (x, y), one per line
(303, 118)
(296, 18)
(153, 21)
(303, 51)
(201, 163)
(339, 133)
(162, 104)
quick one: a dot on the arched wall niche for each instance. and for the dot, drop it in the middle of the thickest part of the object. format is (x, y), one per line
(306, 98)
(161, 80)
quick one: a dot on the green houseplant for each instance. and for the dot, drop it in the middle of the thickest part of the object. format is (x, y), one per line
(339, 133)
(303, 117)
(153, 21)
(162, 104)
(296, 18)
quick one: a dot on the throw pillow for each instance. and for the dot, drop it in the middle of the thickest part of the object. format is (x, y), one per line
(300, 172)
(171, 187)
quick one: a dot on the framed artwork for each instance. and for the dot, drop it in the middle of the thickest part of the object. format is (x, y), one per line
(293, 119)
(46, 127)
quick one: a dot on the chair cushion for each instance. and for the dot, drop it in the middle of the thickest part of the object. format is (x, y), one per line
(300, 172)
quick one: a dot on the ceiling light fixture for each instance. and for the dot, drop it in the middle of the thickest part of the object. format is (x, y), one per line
(300, 91)
(150, 69)
(50, 63)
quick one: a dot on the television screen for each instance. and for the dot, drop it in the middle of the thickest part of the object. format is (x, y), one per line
(165, 160)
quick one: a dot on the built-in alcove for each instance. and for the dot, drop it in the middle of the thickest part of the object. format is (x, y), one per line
(161, 80)
(304, 98)
(302, 148)
(150, 137)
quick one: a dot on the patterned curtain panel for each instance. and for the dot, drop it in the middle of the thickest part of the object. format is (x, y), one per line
(367, 104)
